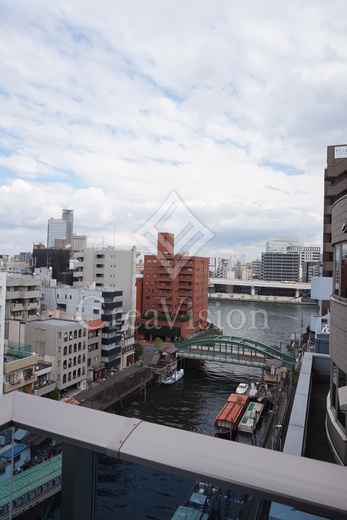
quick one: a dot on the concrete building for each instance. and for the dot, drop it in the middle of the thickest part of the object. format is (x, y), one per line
(256, 269)
(19, 363)
(63, 344)
(2, 326)
(309, 260)
(280, 245)
(23, 295)
(280, 267)
(175, 289)
(79, 242)
(107, 268)
(96, 367)
(117, 337)
(335, 186)
(337, 398)
(58, 259)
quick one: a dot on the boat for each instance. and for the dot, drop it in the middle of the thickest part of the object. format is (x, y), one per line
(251, 417)
(199, 504)
(251, 390)
(174, 377)
(231, 414)
(242, 388)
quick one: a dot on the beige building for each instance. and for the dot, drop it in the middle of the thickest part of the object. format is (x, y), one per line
(23, 293)
(337, 398)
(62, 343)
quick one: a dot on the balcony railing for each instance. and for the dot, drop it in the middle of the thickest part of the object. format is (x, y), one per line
(275, 476)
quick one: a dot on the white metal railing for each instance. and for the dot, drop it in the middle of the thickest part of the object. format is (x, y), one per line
(306, 484)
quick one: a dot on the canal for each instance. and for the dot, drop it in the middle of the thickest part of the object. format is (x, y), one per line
(128, 491)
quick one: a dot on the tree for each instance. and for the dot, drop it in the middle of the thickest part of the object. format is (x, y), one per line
(54, 394)
(138, 351)
(158, 343)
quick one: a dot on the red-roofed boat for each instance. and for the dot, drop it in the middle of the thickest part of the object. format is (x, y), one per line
(231, 414)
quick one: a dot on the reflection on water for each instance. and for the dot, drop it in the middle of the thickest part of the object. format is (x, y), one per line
(128, 491)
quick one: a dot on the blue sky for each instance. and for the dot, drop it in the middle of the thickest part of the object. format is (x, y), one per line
(109, 107)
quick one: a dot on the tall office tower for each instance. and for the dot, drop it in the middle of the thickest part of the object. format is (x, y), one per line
(67, 215)
(60, 229)
(56, 230)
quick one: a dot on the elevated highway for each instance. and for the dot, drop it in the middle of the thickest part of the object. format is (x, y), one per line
(261, 283)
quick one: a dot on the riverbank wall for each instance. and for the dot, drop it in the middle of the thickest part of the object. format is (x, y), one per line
(116, 389)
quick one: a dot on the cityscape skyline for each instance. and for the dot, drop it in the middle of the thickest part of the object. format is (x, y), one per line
(107, 111)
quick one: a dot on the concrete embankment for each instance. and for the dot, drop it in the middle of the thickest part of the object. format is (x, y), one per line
(116, 388)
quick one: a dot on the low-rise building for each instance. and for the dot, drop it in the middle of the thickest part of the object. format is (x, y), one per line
(62, 343)
(19, 368)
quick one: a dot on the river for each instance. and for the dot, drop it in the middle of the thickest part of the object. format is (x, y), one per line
(128, 491)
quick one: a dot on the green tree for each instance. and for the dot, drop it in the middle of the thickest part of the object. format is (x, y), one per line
(54, 394)
(138, 351)
(158, 343)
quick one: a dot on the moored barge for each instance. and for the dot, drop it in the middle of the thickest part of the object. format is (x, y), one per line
(251, 417)
(231, 414)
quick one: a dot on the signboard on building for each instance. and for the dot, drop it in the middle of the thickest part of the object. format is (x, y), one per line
(340, 152)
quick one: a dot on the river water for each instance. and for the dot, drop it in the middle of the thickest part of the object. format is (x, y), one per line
(128, 491)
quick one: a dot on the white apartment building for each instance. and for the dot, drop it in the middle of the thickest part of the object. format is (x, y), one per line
(90, 304)
(107, 268)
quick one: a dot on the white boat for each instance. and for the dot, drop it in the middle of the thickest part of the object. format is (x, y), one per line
(175, 376)
(242, 389)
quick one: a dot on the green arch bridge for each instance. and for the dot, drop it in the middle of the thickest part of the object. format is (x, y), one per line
(230, 349)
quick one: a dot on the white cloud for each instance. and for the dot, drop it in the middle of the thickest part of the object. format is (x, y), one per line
(107, 108)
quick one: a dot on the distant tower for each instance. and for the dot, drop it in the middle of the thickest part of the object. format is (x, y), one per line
(60, 229)
(67, 215)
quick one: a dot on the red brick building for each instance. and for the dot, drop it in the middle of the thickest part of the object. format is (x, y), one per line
(172, 296)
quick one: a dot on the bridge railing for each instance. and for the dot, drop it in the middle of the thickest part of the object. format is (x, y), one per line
(246, 344)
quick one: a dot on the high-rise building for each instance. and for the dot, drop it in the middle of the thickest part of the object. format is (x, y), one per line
(280, 266)
(67, 215)
(107, 268)
(60, 229)
(174, 290)
(336, 422)
(335, 186)
(56, 230)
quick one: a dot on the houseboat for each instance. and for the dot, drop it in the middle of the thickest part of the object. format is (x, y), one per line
(251, 417)
(199, 504)
(231, 414)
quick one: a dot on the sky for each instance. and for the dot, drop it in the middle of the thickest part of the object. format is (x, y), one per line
(114, 108)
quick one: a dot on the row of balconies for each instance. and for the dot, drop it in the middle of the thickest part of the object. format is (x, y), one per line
(19, 382)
